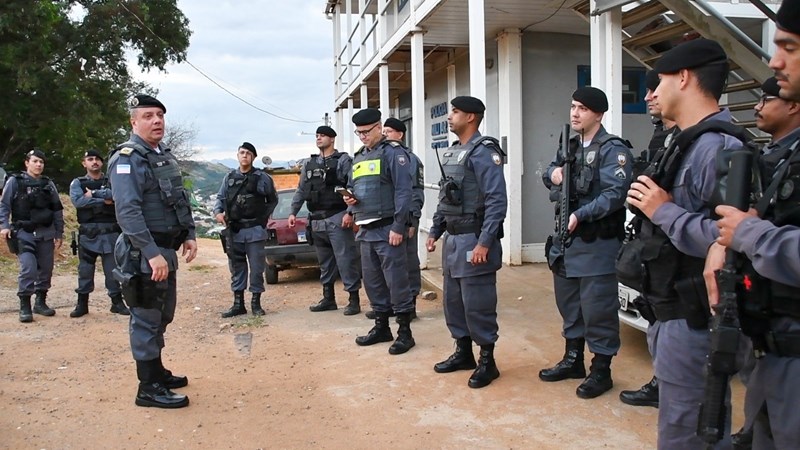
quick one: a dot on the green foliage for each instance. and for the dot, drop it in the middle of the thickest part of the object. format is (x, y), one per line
(65, 76)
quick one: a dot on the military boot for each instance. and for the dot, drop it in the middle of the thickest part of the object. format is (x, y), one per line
(25, 314)
(647, 395)
(118, 306)
(255, 305)
(82, 307)
(328, 301)
(40, 306)
(353, 304)
(371, 314)
(379, 333)
(404, 340)
(599, 379)
(171, 381)
(486, 372)
(152, 390)
(571, 366)
(238, 306)
(461, 359)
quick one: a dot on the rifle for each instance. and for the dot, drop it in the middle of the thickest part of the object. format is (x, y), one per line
(562, 224)
(74, 244)
(725, 328)
(224, 235)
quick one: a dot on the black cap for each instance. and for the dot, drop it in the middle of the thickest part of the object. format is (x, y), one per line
(93, 152)
(770, 87)
(326, 130)
(691, 55)
(366, 117)
(395, 124)
(789, 16)
(468, 104)
(145, 101)
(651, 80)
(249, 147)
(35, 152)
(592, 98)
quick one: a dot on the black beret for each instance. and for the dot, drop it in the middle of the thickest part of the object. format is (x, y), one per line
(92, 152)
(395, 124)
(690, 55)
(249, 147)
(651, 80)
(770, 87)
(789, 16)
(326, 130)
(35, 152)
(468, 104)
(592, 98)
(366, 117)
(145, 101)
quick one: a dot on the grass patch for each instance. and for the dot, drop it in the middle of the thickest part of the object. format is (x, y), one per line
(205, 268)
(251, 322)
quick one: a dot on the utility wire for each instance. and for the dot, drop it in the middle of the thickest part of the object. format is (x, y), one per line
(120, 2)
(546, 18)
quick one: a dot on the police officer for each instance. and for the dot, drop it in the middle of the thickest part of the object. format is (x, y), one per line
(676, 201)
(245, 201)
(584, 277)
(331, 225)
(98, 231)
(32, 221)
(155, 216)
(472, 207)
(381, 186)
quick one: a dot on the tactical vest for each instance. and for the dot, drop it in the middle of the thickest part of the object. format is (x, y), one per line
(95, 214)
(33, 205)
(459, 193)
(244, 205)
(372, 185)
(319, 184)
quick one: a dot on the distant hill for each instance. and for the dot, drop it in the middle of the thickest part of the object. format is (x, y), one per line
(206, 176)
(233, 163)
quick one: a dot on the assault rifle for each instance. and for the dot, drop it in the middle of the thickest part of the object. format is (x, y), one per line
(562, 224)
(725, 329)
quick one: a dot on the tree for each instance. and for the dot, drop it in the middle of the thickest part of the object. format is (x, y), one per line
(65, 77)
(179, 137)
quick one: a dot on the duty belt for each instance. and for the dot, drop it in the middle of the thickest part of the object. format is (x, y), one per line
(785, 344)
(461, 228)
(324, 214)
(93, 232)
(663, 312)
(168, 240)
(378, 223)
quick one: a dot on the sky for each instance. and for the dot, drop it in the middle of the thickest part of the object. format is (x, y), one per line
(276, 54)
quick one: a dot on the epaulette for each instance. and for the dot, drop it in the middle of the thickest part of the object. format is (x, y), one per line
(393, 143)
(126, 151)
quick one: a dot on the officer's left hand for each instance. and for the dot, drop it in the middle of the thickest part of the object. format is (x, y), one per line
(479, 254)
(395, 239)
(57, 243)
(350, 201)
(108, 201)
(347, 221)
(189, 250)
(714, 262)
(573, 222)
(730, 218)
(646, 195)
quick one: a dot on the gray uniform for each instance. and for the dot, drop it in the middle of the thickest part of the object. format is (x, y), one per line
(384, 267)
(336, 246)
(96, 239)
(144, 217)
(247, 245)
(680, 351)
(36, 245)
(470, 291)
(584, 278)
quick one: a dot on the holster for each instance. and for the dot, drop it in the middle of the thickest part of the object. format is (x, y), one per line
(309, 232)
(142, 292)
(645, 309)
(13, 242)
(694, 300)
(223, 239)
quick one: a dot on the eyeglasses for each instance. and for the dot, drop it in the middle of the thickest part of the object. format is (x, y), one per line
(364, 133)
(764, 99)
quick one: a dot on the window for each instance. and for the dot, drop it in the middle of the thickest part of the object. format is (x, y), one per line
(633, 87)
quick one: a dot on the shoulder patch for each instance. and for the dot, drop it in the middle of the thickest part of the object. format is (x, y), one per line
(401, 159)
(622, 159)
(126, 151)
(497, 159)
(620, 173)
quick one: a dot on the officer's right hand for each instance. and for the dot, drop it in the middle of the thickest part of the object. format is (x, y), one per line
(714, 262)
(221, 218)
(557, 176)
(160, 268)
(395, 239)
(292, 220)
(430, 244)
(5, 233)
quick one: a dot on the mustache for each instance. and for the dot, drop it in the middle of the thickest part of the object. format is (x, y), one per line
(757, 116)
(781, 76)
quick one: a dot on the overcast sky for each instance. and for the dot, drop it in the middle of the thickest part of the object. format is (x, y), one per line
(276, 54)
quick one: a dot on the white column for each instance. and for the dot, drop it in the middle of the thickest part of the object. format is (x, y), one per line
(606, 60)
(337, 50)
(768, 29)
(351, 142)
(452, 92)
(383, 75)
(348, 11)
(477, 50)
(509, 50)
(363, 96)
(339, 125)
(418, 122)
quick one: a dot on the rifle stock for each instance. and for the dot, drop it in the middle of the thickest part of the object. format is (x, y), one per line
(563, 202)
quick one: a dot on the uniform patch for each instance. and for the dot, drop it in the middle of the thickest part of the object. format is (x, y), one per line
(590, 157)
(620, 173)
(497, 159)
(401, 160)
(447, 154)
(123, 168)
(462, 155)
(126, 151)
(622, 159)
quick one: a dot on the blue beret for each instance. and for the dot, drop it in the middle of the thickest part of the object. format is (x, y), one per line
(35, 152)
(691, 55)
(92, 152)
(651, 80)
(395, 124)
(249, 147)
(592, 98)
(326, 131)
(145, 101)
(789, 16)
(770, 87)
(366, 117)
(468, 104)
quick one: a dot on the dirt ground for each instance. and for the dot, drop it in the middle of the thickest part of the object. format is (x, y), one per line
(296, 379)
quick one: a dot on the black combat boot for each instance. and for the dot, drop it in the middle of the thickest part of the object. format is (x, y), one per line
(238, 306)
(353, 304)
(404, 340)
(599, 379)
(328, 301)
(82, 307)
(647, 395)
(152, 390)
(379, 333)
(25, 314)
(255, 305)
(118, 306)
(461, 359)
(171, 381)
(742, 439)
(371, 314)
(571, 366)
(40, 306)
(486, 372)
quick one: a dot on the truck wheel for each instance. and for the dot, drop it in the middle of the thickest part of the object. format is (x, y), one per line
(271, 274)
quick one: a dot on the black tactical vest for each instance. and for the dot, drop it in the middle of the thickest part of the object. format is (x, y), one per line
(95, 214)
(244, 205)
(33, 205)
(320, 181)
